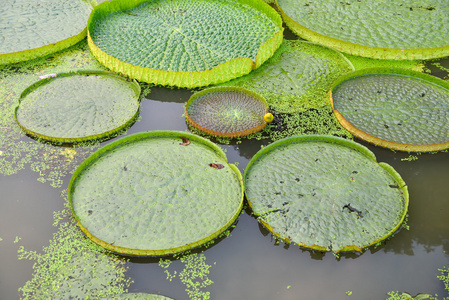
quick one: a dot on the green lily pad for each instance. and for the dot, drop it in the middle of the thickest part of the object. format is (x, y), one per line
(227, 111)
(137, 296)
(184, 43)
(325, 193)
(156, 193)
(78, 106)
(394, 108)
(378, 29)
(31, 29)
(297, 77)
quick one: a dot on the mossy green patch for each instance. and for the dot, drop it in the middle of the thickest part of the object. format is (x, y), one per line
(194, 274)
(72, 267)
(17, 151)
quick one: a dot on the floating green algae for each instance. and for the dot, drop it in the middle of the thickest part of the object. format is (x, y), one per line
(194, 275)
(184, 43)
(72, 267)
(17, 151)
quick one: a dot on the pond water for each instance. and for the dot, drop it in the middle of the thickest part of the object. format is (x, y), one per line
(250, 263)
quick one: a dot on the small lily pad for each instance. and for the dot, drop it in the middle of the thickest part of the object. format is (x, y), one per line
(227, 111)
(394, 108)
(78, 106)
(31, 29)
(325, 193)
(151, 194)
(375, 29)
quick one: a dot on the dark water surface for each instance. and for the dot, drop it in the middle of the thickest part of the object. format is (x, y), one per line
(249, 264)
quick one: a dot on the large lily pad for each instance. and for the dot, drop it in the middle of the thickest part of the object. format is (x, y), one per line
(184, 43)
(78, 106)
(137, 296)
(227, 111)
(325, 193)
(378, 29)
(156, 193)
(297, 77)
(31, 29)
(394, 108)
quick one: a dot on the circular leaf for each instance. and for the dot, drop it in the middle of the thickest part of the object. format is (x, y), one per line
(227, 111)
(325, 193)
(184, 43)
(297, 77)
(137, 296)
(394, 108)
(377, 29)
(156, 193)
(78, 106)
(31, 29)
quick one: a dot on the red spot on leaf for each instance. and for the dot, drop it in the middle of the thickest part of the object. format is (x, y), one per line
(216, 166)
(185, 141)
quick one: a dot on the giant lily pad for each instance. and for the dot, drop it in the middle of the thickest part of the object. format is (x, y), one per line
(156, 193)
(297, 77)
(31, 29)
(394, 108)
(184, 43)
(137, 296)
(227, 111)
(378, 29)
(78, 106)
(325, 193)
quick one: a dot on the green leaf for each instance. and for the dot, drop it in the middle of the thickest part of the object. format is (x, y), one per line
(394, 108)
(227, 111)
(325, 193)
(78, 106)
(137, 296)
(31, 29)
(379, 29)
(297, 77)
(151, 194)
(184, 43)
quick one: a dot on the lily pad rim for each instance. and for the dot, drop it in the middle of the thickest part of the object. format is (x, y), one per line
(224, 89)
(347, 143)
(362, 50)
(148, 135)
(133, 83)
(185, 79)
(378, 141)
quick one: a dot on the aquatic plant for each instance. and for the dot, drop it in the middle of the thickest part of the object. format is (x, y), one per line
(137, 296)
(227, 111)
(325, 193)
(72, 266)
(156, 193)
(297, 77)
(385, 30)
(50, 162)
(194, 275)
(394, 108)
(184, 43)
(78, 106)
(33, 29)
